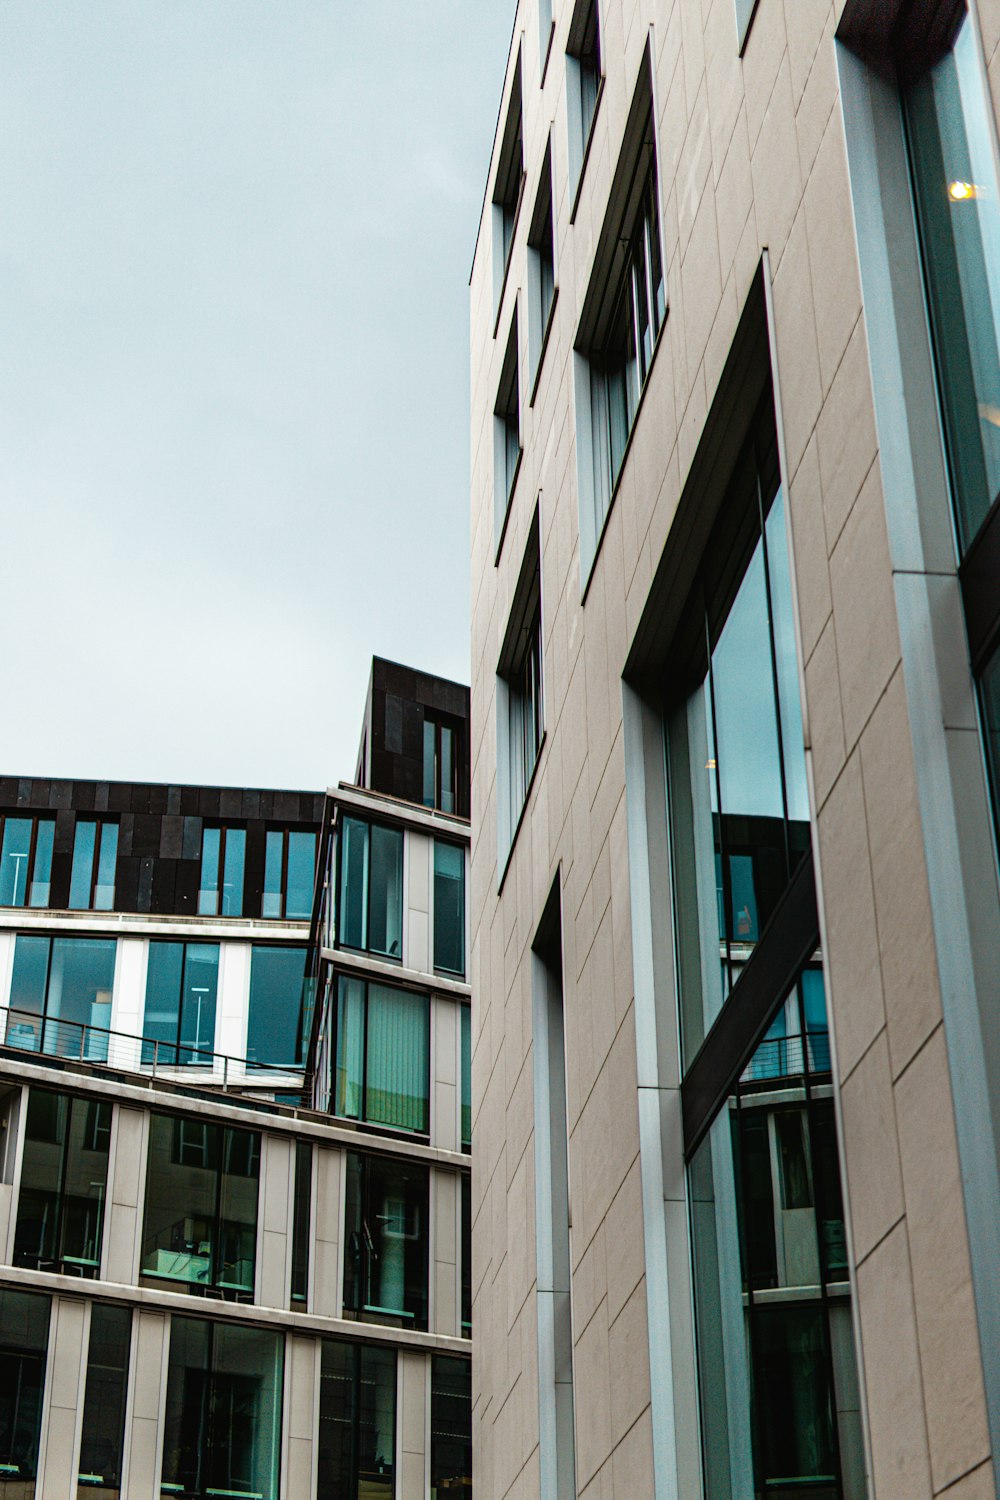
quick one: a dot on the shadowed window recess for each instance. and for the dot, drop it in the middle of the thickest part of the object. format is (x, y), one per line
(64, 1172)
(508, 186)
(507, 432)
(584, 79)
(440, 765)
(24, 1342)
(385, 1257)
(357, 1420)
(451, 1428)
(102, 1439)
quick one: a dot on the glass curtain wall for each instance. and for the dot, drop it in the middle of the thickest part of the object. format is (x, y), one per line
(60, 996)
(24, 1342)
(26, 860)
(385, 1260)
(357, 1421)
(64, 1174)
(370, 903)
(289, 874)
(449, 907)
(92, 879)
(383, 1055)
(440, 766)
(200, 1227)
(223, 1411)
(223, 850)
(182, 987)
(301, 1221)
(451, 1428)
(103, 1435)
(277, 1019)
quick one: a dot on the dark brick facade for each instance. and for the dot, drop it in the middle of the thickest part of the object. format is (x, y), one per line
(392, 748)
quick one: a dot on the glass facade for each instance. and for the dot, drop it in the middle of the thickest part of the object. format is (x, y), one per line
(25, 860)
(24, 1341)
(60, 996)
(223, 853)
(524, 717)
(370, 901)
(449, 907)
(301, 1221)
(64, 1173)
(277, 1019)
(92, 879)
(103, 1429)
(200, 1227)
(440, 766)
(223, 1411)
(466, 1287)
(383, 1055)
(182, 987)
(357, 1421)
(385, 1260)
(466, 1080)
(451, 1428)
(289, 874)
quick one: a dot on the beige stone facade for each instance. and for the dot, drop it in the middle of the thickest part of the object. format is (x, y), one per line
(764, 189)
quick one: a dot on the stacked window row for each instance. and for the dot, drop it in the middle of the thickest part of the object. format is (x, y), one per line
(222, 1409)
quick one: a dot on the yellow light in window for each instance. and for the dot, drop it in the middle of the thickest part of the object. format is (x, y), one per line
(989, 413)
(961, 192)
(710, 765)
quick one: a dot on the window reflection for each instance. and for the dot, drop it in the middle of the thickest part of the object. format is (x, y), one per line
(370, 905)
(103, 1435)
(383, 1055)
(24, 1340)
(278, 1017)
(385, 1262)
(60, 996)
(26, 860)
(451, 1428)
(182, 983)
(357, 1421)
(64, 1171)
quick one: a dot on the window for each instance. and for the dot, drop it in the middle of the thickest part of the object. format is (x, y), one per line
(25, 860)
(200, 1228)
(92, 881)
(182, 986)
(507, 188)
(546, 25)
(24, 1342)
(623, 312)
(745, 10)
(440, 768)
(357, 1420)
(541, 267)
(466, 1102)
(449, 907)
(451, 1427)
(301, 1221)
(583, 84)
(506, 435)
(223, 850)
(383, 1055)
(520, 719)
(103, 1428)
(64, 1174)
(278, 1017)
(466, 1251)
(223, 1410)
(385, 1258)
(370, 902)
(289, 874)
(60, 996)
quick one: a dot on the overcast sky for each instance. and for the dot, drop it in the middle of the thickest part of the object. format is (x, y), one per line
(235, 240)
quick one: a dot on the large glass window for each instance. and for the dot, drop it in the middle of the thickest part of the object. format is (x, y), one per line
(370, 902)
(223, 1411)
(103, 1437)
(182, 986)
(301, 1221)
(223, 861)
(440, 765)
(64, 1173)
(383, 1055)
(524, 715)
(466, 1080)
(24, 1342)
(289, 874)
(385, 1261)
(278, 1017)
(60, 996)
(200, 1227)
(25, 860)
(92, 880)
(449, 907)
(357, 1421)
(451, 1428)
(466, 1289)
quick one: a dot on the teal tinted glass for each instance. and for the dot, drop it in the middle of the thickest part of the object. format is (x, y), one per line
(14, 855)
(301, 874)
(84, 843)
(397, 1078)
(41, 871)
(104, 886)
(182, 982)
(208, 892)
(950, 132)
(449, 907)
(275, 1018)
(352, 916)
(232, 876)
(349, 1085)
(430, 763)
(385, 909)
(274, 849)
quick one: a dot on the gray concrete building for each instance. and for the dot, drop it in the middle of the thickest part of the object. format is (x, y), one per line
(735, 916)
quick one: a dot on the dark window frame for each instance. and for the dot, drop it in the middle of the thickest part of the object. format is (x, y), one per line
(285, 830)
(361, 1120)
(370, 823)
(223, 830)
(101, 825)
(184, 1055)
(440, 722)
(30, 878)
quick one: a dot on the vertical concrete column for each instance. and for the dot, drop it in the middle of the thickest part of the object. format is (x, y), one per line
(11, 1151)
(446, 1067)
(128, 1000)
(327, 1230)
(127, 1180)
(274, 1248)
(234, 994)
(446, 1202)
(62, 1412)
(147, 1379)
(412, 1421)
(301, 1423)
(419, 853)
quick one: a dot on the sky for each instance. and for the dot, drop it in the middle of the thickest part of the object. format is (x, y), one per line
(235, 243)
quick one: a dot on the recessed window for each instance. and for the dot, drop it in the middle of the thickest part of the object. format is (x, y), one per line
(278, 1015)
(449, 907)
(95, 850)
(223, 860)
(60, 996)
(623, 313)
(182, 986)
(370, 899)
(508, 187)
(64, 1172)
(383, 1055)
(506, 435)
(200, 1227)
(24, 1344)
(520, 717)
(25, 860)
(440, 765)
(301, 1221)
(289, 874)
(102, 1440)
(541, 267)
(583, 83)
(451, 1425)
(357, 1420)
(385, 1259)
(466, 1080)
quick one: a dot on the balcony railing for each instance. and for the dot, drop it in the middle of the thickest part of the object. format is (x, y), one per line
(789, 1057)
(78, 1041)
